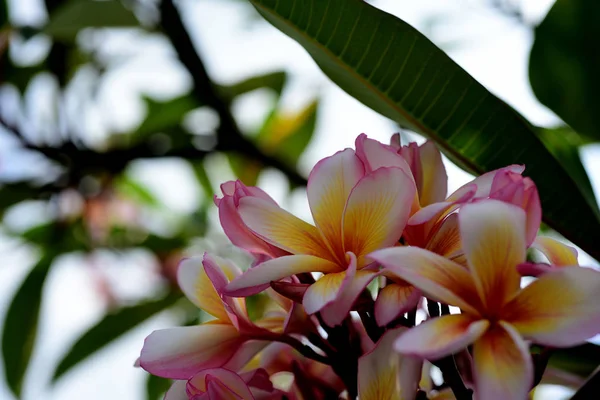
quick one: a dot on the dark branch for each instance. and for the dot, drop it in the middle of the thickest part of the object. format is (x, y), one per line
(229, 135)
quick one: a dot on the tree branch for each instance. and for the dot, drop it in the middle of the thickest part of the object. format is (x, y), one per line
(229, 135)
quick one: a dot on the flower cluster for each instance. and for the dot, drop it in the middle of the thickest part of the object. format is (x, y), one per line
(387, 245)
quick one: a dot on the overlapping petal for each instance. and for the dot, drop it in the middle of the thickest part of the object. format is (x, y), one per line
(280, 228)
(394, 300)
(559, 308)
(502, 364)
(354, 283)
(329, 186)
(323, 291)
(439, 337)
(224, 382)
(197, 287)
(439, 278)
(377, 211)
(375, 155)
(493, 239)
(256, 279)
(385, 375)
(428, 170)
(179, 353)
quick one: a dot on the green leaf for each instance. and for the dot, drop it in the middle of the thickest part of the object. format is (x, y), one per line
(273, 80)
(162, 115)
(564, 144)
(392, 68)
(110, 328)
(20, 324)
(246, 169)
(156, 387)
(71, 17)
(564, 64)
(286, 136)
(136, 191)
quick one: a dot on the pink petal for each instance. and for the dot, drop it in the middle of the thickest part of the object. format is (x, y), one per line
(377, 211)
(512, 188)
(484, 182)
(375, 155)
(558, 309)
(256, 279)
(179, 353)
(329, 186)
(394, 300)
(225, 381)
(502, 364)
(493, 240)
(439, 337)
(383, 374)
(239, 234)
(534, 269)
(439, 278)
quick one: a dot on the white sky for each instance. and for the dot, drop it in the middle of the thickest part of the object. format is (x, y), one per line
(493, 49)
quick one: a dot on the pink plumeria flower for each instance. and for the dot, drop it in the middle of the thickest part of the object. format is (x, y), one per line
(435, 228)
(356, 210)
(384, 374)
(224, 384)
(559, 255)
(558, 309)
(229, 340)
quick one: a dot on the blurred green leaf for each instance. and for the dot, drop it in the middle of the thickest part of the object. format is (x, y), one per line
(564, 64)
(20, 324)
(59, 236)
(14, 193)
(74, 15)
(111, 327)
(286, 136)
(564, 144)
(273, 80)
(246, 169)
(163, 115)
(156, 387)
(135, 191)
(391, 67)
(580, 360)
(204, 180)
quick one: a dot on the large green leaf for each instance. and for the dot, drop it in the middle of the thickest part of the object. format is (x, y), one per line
(391, 67)
(565, 61)
(20, 325)
(108, 329)
(74, 15)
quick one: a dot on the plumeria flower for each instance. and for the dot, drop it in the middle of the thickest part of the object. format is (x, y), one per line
(558, 309)
(433, 224)
(384, 374)
(558, 254)
(230, 340)
(357, 208)
(224, 384)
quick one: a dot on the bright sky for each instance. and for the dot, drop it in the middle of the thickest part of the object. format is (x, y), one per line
(491, 48)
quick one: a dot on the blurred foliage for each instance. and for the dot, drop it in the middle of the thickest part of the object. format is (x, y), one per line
(94, 204)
